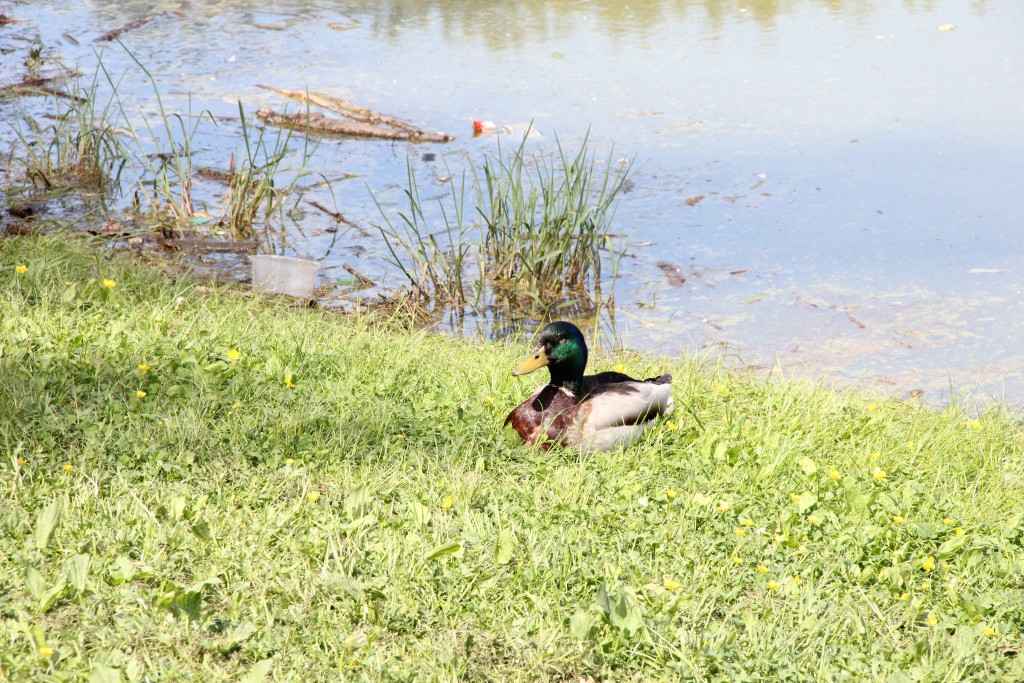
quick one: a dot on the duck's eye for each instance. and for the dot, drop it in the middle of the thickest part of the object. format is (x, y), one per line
(537, 357)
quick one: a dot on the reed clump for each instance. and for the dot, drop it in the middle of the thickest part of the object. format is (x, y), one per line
(540, 225)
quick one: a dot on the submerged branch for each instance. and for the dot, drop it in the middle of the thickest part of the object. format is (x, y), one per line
(111, 35)
(318, 123)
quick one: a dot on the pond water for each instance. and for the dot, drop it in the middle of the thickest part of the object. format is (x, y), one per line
(831, 188)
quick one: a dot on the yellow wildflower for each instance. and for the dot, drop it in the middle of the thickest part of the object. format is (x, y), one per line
(447, 503)
(780, 537)
(723, 505)
(898, 519)
(873, 456)
(234, 354)
(488, 401)
(21, 461)
(45, 651)
(763, 569)
(671, 585)
(720, 388)
(288, 380)
(399, 437)
(960, 531)
(794, 497)
(143, 367)
(929, 564)
(619, 367)
(548, 468)
(140, 393)
(834, 475)
(68, 468)
(236, 405)
(746, 521)
(313, 496)
(926, 585)
(878, 474)
(671, 426)
(21, 270)
(989, 631)
(872, 408)
(736, 559)
(741, 532)
(772, 584)
(688, 547)
(975, 425)
(671, 493)
(904, 597)
(932, 620)
(814, 520)
(948, 521)
(289, 461)
(109, 284)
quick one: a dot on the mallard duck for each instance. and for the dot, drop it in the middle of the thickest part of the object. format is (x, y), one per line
(586, 412)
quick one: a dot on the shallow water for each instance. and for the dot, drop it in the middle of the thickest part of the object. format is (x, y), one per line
(859, 167)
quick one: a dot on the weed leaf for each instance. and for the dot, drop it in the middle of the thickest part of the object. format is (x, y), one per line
(420, 513)
(807, 465)
(857, 503)
(443, 550)
(47, 523)
(357, 502)
(581, 625)
(76, 568)
(504, 547)
(104, 674)
(806, 502)
(259, 671)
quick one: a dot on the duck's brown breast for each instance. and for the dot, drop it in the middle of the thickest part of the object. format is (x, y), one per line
(546, 418)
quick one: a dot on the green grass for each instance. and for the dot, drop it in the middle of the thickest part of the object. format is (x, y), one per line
(371, 523)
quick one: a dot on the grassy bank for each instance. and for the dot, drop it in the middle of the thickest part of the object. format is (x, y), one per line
(199, 485)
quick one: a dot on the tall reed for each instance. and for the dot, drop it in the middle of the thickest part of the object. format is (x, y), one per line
(540, 225)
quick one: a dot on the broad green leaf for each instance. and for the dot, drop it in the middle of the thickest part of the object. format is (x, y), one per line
(700, 500)
(123, 571)
(503, 547)
(806, 502)
(50, 596)
(626, 613)
(443, 550)
(76, 568)
(202, 530)
(580, 625)
(807, 465)
(35, 583)
(47, 523)
(185, 603)
(259, 671)
(357, 502)
(420, 513)
(104, 674)
(604, 601)
(856, 502)
(178, 507)
(950, 547)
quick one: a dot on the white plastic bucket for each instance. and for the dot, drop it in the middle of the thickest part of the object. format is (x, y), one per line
(284, 275)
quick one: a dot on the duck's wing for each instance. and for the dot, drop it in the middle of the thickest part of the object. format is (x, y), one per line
(615, 414)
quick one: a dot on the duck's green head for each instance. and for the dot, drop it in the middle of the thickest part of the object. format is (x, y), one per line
(562, 349)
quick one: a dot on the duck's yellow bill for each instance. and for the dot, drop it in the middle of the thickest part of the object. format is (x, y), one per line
(538, 360)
